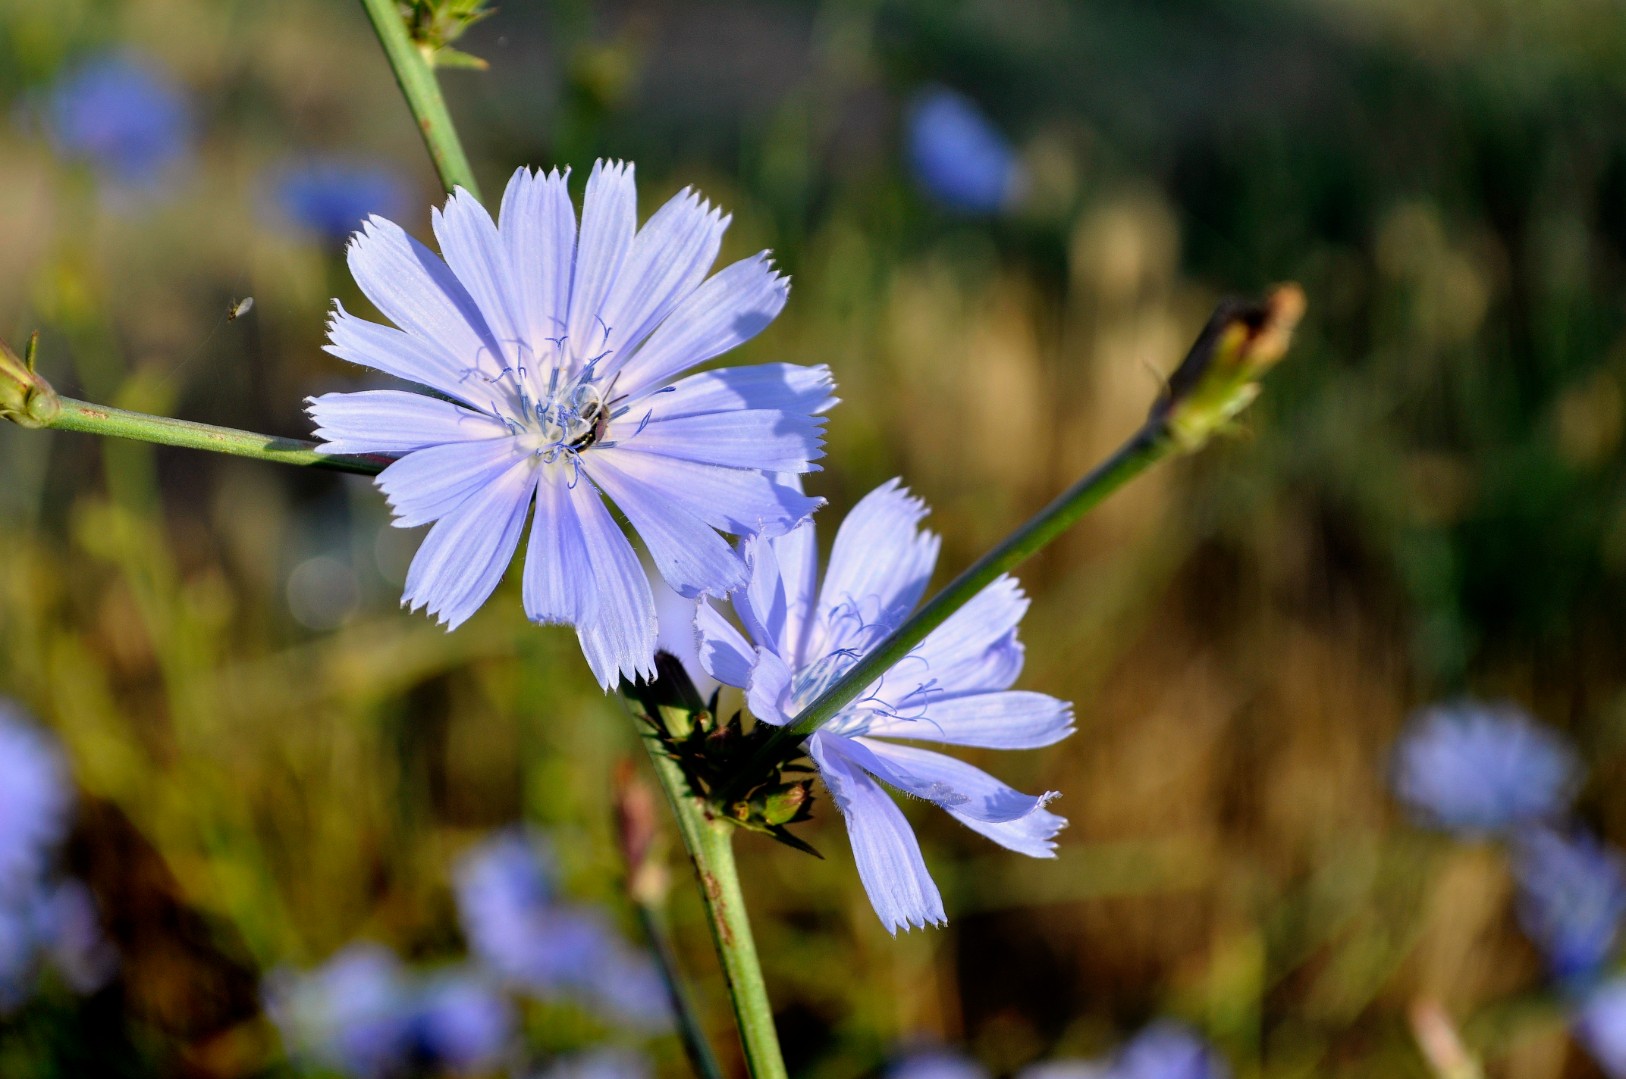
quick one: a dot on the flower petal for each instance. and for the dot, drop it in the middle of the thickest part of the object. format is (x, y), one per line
(559, 579)
(800, 391)
(428, 484)
(758, 438)
(733, 306)
(538, 226)
(619, 641)
(395, 352)
(976, 647)
(1013, 719)
(797, 555)
(879, 567)
(884, 846)
(735, 500)
(767, 691)
(963, 789)
(669, 258)
(475, 252)
(394, 421)
(1033, 835)
(724, 654)
(466, 553)
(418, 292)
(689, 553)
(776, 601)
(609, 221)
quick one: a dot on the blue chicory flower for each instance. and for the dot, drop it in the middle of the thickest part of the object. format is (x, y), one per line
(1476, 769)
(331, 197)
(122, 115)
(1600, 1025)
(1168, 1050)
(553, 355)
(952, 689)
(957, 156)
(936, 1064)
(1571, 900)
(460, 1022)
(552, 949)
(353, 1014)
(35, 800)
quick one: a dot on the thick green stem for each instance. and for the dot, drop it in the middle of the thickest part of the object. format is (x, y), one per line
(1149, 445)
(117, 423)
(709, 842)
(422, 92)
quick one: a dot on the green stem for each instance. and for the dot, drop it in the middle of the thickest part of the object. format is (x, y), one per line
(117, 423)
(422, 91)
(709, 842)
(1149, 445)
(688, 1021)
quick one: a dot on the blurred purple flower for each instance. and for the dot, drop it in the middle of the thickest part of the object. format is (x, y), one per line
(460, 1022)
(35, 800)
(520, 930)
(1477, 769)
(1168, 1050)
(122, 115)
(331, 197)
(1572, 898)
(353, 1014)
(936, 1064)
(957, 155)
(1600, 1025)
(600, 1064)
(70, 932)
(555, 357)
(952, 689)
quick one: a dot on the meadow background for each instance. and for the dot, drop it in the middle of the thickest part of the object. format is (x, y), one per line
(1430, 500)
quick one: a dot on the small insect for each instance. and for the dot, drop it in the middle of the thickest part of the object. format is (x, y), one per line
(239, 308)
(599, 417)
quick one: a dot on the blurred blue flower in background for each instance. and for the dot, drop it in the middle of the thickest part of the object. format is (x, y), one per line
(600, 1064)
(1600, 1025)
(551, 949)
(352, 1014)
(331, 197)
(35, 798)
(1476, 769)
(1572, 898)
(957, 156)
(936, 1064)
(1168, 1050)
(122, 115)
(461, 1022)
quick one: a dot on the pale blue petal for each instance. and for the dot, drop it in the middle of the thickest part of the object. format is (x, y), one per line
(733, 306)
(1033, 835)
(620, 640)
(466, 553)
(800, 391)
(418, 292)
(609, 221)
(475, 252)
(767, 691)
(394, 422)
(976, 647)
(748, 438)
(1011, 719)
(879, 567)
(796, 557)
(430, 483)
(884, 846)
(538, 226)
(689, 553)
(962, 789)
(669, 258)
(677, 635)
(395, 352)
(559, 583)
(735, 500)
(725, 655)
(762, 606)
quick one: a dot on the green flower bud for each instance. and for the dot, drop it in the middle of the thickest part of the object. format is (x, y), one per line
(25, 398)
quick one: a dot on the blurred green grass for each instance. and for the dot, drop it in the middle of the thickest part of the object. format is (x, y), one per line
(1428, 500)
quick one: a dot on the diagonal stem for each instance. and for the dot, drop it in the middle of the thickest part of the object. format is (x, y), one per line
(422, 92)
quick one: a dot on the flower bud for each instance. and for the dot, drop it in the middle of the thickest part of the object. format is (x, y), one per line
(782, 804)
(1220, 375)
(25, 398)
